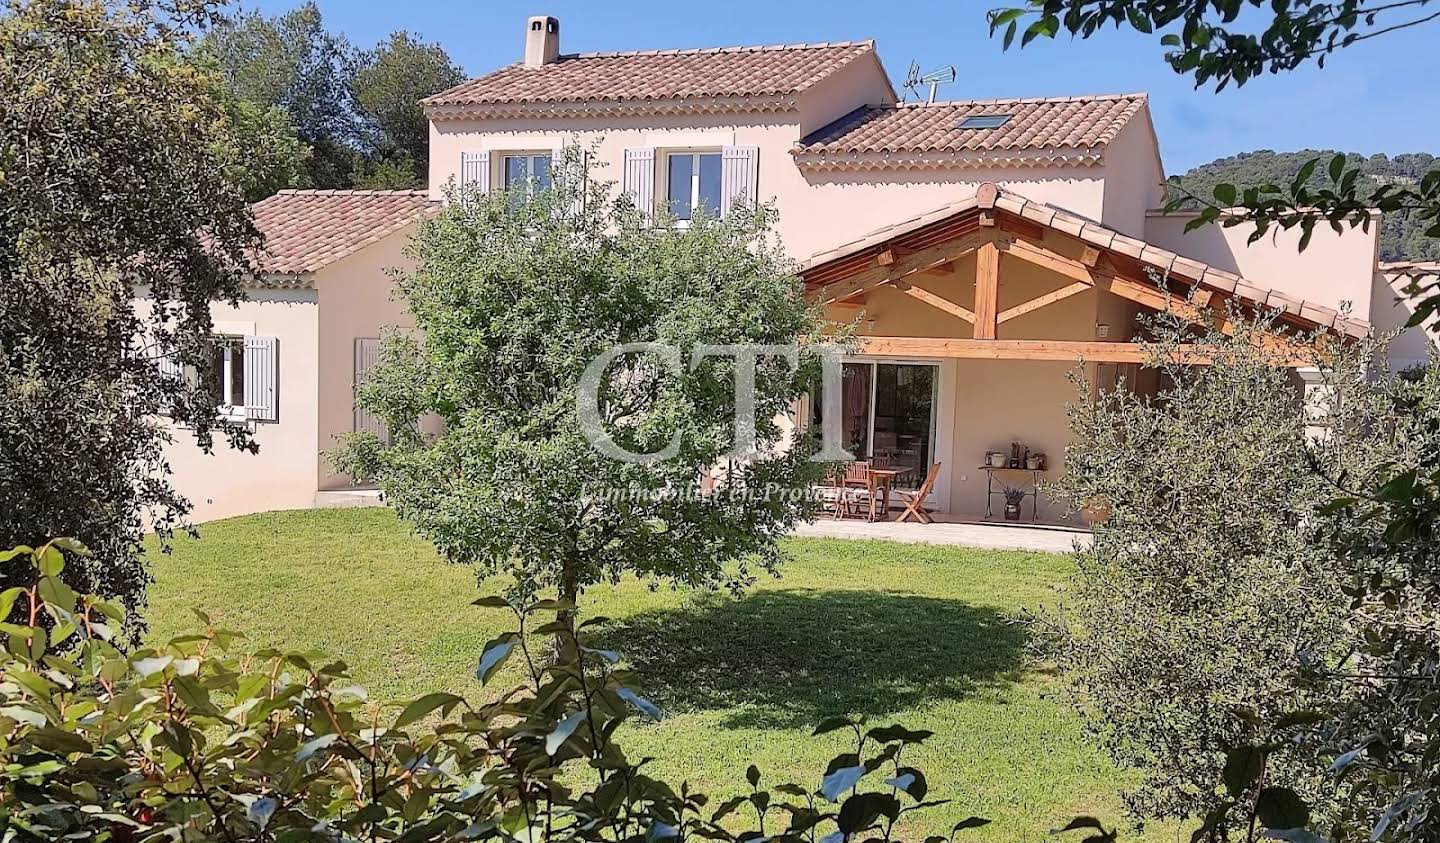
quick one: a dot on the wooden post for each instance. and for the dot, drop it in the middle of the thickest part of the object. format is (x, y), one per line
(987, 291)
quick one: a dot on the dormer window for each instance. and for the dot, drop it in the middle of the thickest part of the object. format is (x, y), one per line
(984, 121)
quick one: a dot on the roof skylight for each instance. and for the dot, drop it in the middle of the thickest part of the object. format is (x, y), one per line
(984, 121)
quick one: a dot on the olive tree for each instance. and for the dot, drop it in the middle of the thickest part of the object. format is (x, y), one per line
(1195, 630)
(117, 174)
(515, 297)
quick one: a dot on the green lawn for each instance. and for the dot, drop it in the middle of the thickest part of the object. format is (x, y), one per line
(903, 633)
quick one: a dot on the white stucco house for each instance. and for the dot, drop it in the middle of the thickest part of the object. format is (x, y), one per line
(990, 244)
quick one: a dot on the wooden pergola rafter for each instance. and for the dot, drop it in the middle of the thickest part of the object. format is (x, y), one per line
(996, 237)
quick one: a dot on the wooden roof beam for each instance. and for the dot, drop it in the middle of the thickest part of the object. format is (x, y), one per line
(1072, 351)
(1044, 301)
(987, 291)
(937, 302)
(903, 266)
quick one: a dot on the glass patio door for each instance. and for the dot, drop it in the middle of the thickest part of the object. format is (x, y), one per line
(887, 415)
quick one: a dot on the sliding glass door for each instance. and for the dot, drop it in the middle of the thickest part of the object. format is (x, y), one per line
(887, 415)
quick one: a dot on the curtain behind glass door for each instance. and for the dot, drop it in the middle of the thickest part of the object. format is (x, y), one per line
(904, 418)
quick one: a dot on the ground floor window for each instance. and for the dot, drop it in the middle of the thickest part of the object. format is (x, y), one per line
(228, 360)
(887, 414)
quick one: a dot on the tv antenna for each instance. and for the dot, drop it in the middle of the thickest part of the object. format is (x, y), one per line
(914, 79)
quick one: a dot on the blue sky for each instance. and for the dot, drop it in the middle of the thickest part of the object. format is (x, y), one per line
(1374, 97)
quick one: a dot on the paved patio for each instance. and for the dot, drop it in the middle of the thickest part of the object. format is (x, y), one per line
(989, 536)
(959, 533)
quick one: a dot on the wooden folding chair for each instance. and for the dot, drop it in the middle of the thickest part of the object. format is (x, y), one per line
(853, 485)
(916, 500)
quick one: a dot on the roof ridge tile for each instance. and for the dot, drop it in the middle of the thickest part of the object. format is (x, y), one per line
(700, 51)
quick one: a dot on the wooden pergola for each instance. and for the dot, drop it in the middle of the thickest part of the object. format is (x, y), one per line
(998, 227)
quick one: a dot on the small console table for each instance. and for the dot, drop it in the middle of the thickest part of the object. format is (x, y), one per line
(1033, 493)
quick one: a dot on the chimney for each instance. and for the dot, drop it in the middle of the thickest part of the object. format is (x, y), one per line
(542, 41)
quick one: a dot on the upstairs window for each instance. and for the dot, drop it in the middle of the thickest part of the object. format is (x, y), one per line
(526, 173)
(693, 184)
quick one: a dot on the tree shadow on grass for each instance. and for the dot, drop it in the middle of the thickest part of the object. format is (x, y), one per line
(790, 658)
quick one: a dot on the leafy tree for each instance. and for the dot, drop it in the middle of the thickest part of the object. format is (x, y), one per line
(292, 62)
(386, 85)
(516, 297)
(268, 154)
(1385, 529)
(194, 739)
(101, 194)
(1192, 618)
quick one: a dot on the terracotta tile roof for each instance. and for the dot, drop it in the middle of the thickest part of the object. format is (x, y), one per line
(1077, 126)
(306, 229)
(1175, 266)
(659, 75)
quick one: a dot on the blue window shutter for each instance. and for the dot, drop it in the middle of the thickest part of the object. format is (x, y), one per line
(262, 372)
(639, 181)
(739, 176)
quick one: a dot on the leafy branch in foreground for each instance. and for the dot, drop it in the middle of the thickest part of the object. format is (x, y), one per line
(1204, 39)
(198, 740)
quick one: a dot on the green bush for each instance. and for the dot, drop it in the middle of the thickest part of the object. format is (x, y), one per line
(196, 740)
(1252, 628)
(1189, 631)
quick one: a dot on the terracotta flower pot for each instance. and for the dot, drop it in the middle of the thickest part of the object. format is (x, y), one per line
(1093, 514)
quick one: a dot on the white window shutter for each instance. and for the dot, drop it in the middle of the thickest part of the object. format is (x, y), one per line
(739, 176)
(639, 183)
(367, 355)
(171, 367)
(582, 190)
(261, 379)
(475, 171)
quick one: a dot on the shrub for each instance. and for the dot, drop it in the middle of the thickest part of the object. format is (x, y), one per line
(1191, 628)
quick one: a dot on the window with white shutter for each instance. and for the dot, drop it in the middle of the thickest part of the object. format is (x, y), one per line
(260, 366)
(639, 178)
(475, 171)
(739, 177)
(367, 355)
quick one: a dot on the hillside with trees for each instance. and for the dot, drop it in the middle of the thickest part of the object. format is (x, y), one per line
(1401, 235)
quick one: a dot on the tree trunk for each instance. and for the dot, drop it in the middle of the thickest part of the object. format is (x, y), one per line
(569, 591)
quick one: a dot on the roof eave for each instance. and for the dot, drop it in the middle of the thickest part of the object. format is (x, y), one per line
(861, 160)
(768, 103)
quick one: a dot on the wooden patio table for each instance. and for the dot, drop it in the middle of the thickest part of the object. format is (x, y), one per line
(883, 478)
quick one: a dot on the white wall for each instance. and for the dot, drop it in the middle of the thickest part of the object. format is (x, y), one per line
(1334, 269)
(282, 475)
(1391, 308)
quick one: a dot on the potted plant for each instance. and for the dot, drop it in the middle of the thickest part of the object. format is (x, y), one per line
(1095, 510)
(1013, 499)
